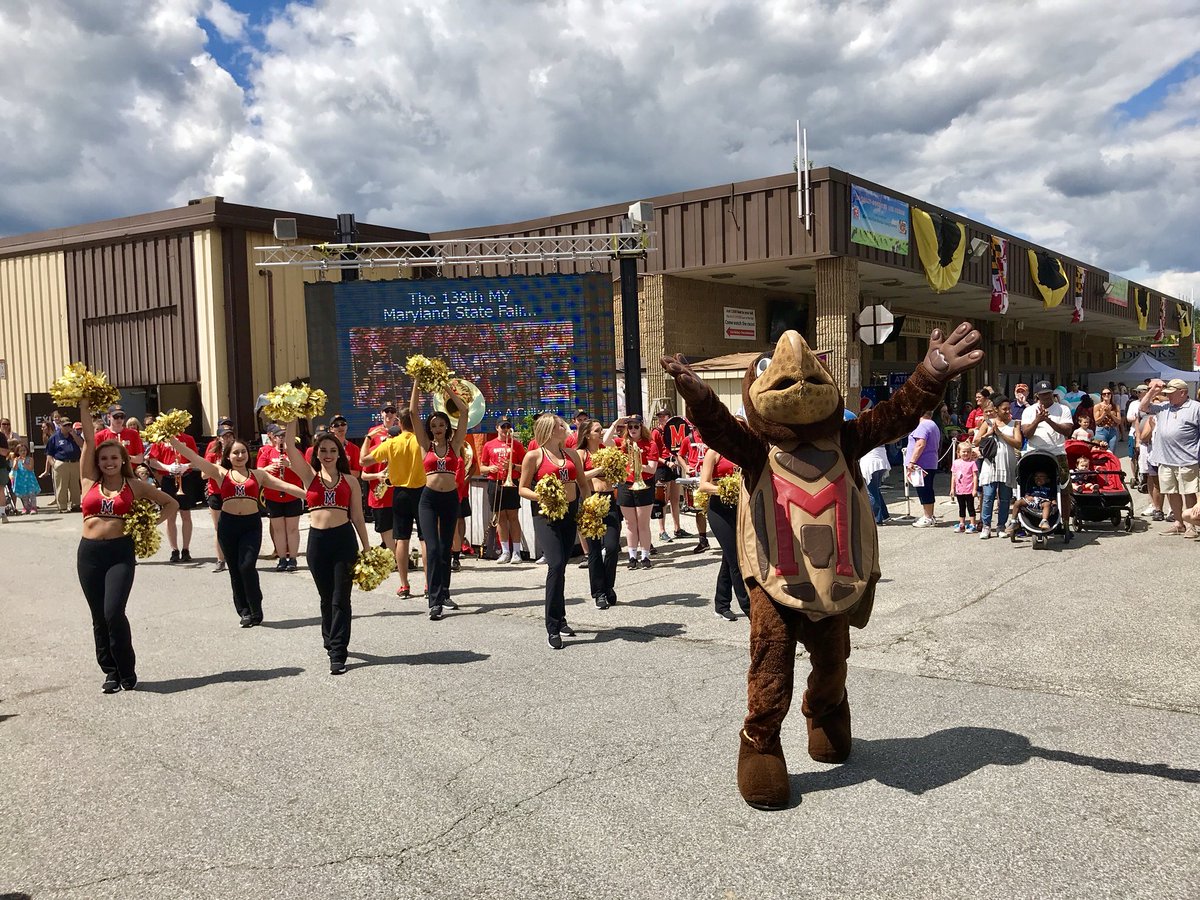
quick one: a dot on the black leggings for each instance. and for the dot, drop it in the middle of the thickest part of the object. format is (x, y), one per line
(602, 567)
(723, 520)
(437, 514)
(555, 540)
(240, 538)
(966, 505)
(106, 576)
(332, 553)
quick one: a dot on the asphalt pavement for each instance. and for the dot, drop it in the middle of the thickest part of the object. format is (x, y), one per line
(1027, 725)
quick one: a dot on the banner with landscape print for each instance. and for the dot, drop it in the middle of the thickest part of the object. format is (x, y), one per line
(877, 220)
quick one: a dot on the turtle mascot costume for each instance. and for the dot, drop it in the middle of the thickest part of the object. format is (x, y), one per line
(807, 542)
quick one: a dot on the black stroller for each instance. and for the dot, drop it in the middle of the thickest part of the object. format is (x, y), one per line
(1029, 466)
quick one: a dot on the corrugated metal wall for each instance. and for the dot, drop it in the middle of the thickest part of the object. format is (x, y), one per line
(33, 329)
(132, 309)
(211, 342)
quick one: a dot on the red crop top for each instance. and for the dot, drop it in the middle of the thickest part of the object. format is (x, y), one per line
(565, 472)
(435, 464)
(722, 468)
(318, 496)
(97, 506)
(232, 490)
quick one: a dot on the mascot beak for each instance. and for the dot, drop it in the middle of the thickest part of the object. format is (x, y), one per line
(793, 388)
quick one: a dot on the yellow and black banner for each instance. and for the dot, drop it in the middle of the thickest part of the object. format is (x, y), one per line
(1141, 305)
(1185, 319)
(941, 245)
(1049, 278)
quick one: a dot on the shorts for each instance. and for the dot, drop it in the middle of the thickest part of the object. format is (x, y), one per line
(1145, 467)
(628, 497)
(464, 507)
(1179, 479)
(665, 474)
(383, 519)
(188, 493)
(509, 497)
(284, 509)
(213, 501)
(405, 501)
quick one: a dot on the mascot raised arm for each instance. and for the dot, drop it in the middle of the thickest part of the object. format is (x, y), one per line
(807, 542)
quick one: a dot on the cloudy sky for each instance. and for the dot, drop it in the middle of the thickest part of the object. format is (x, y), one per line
(1074, 122)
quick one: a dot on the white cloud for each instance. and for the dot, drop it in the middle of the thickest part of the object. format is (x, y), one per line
(433, 116)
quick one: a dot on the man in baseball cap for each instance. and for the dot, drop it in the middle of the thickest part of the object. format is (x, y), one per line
(1046, 425)
(1175, 449)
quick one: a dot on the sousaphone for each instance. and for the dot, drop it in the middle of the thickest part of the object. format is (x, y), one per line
(475, 403)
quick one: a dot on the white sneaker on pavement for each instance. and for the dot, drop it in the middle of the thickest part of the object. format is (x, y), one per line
(985, 533)
(504, 557)
(923, 522)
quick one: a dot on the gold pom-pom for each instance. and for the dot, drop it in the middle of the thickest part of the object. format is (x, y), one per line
(551, 497)
(729, 488)
(77, 384)
(141, 524)
(591, 516)
(168, 425)
(432, 375)
(287, 403)
(700, 501)
(373, 567)
(612, 462)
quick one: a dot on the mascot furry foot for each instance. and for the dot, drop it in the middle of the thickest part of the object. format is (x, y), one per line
(763, 775)
(807, 544)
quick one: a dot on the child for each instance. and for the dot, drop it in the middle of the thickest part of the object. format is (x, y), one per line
(965, 477)
(1083, 478)
(25, 483)
(1040, 495)
(143, 473)
(1084, 431)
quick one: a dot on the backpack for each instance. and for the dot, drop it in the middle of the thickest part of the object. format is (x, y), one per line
(987, 448)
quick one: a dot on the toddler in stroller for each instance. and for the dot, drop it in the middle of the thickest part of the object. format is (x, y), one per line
(1038, 507)
(1039, 497)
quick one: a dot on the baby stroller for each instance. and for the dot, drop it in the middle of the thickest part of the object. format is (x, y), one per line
(1099, 495)
(1031, 463)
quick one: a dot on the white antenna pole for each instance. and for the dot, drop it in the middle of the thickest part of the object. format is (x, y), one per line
(807, 186)
(800, 211)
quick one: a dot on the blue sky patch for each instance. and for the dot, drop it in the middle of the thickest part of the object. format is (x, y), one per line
(1152, 96)
(234, 56)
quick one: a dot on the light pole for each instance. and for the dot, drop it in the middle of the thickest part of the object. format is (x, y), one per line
(641, 215)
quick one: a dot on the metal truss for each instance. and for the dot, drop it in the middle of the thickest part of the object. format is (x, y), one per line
(473, 251)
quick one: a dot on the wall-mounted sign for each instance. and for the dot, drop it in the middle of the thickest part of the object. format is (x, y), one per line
(875, 324)
(1118, 291)
(877, 220)
(922, 326)
(740, 324)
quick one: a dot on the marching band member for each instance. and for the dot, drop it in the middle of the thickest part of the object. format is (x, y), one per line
(441, 446)
(181, 481)
(336, 528)
(636, 495)
(239, 527)
(555, 539)
(283, 509)
(670, 468)
(691, 452)
(724, 524)
(602, 554)
(379, 494)
(105, 560)
(129, 438)
(497, 461)
(338, 426)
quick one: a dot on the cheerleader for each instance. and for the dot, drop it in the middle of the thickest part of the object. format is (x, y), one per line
(555, 539)
(239, 527)
(636, 503)
(723, 519)
(441, 446)
(603, 553)
(106, 559)
(335, 517)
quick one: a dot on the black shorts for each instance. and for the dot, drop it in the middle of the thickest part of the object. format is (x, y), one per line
(189, 494)
(405, 501)
(284, 509)
(665, 474)
(383, 519)
(213, 502)
(510, 498)
(626, 496)
(464, 507)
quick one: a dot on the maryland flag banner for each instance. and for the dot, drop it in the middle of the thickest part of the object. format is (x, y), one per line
(1162, 316)
(1185, 319)
(1049, 277)
(1141, 305)
(1077, 315)
(999, 275)
(941, 245)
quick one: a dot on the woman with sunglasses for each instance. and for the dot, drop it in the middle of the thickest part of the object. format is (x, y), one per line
(106, 561)
(555, 539)
(602, 553)
(1106, 419)
(239, 527)
(283, 509)
(337, 528)
(441, 445)
(636, 503)
(127, 437)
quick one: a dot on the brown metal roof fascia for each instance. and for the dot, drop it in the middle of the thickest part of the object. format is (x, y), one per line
(209, 212)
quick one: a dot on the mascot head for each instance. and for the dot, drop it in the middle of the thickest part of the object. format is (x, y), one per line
(789, 395)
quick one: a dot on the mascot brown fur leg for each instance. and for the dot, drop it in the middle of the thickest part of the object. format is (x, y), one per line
(826, 707)
(762, 770)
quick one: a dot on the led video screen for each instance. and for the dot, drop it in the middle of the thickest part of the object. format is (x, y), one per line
(529, 343)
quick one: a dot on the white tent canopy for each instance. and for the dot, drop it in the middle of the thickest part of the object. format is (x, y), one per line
(1143, 368)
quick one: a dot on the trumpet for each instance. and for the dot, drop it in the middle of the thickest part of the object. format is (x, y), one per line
(508, 479)
(635, 459)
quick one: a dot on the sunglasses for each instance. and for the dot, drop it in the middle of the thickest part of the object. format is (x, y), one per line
(117, 415)
(1106, 393)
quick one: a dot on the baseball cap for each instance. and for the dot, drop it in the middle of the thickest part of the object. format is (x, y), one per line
(274, 428)
(76, 424)
(393, 431)
(338, 420)
(663, 412)
(1043, 387)
(504, 423)
(581, 412)
(224, 420)
(1175, 384)
(1141, 389)
(224, 429)
(389, 409)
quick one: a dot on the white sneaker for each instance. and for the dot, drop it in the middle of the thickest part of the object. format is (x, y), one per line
(516, 558)
(985, 533)
(923, 522)
(505, 557)
(540, 561)
(1148, 511)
